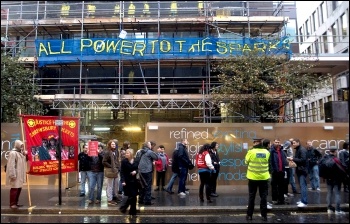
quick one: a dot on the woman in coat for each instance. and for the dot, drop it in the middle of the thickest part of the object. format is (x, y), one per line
(16, 169)
(129, 169)
(205, 167)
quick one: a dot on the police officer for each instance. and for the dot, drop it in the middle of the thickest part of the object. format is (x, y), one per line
(258, 175)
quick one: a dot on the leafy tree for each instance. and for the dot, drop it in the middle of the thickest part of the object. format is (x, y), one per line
(259, 84)
(17, 90)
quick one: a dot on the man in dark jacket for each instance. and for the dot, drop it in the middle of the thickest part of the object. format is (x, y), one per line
(184, 164)
(84, 167)
(277, 165)
(301, 171)
(334, 183)
(96, 176)
(344, 159)
(313, 156)
(145, 157)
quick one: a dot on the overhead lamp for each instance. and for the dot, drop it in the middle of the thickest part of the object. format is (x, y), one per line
(122, 34)
(268, 127)
(328, 127)
(132, 128)
(102, 129)
(153, 127)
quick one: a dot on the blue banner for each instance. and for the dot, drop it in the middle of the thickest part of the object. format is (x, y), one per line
(112, 49)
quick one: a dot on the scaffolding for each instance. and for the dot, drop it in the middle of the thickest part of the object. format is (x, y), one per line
(131, 84)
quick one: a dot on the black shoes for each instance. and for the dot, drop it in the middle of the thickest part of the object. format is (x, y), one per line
(214, 195)
(122, 210)
(82, 195)
(149, 203)
(170, 192)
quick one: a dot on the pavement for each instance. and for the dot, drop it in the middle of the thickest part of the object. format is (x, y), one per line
(231, 199)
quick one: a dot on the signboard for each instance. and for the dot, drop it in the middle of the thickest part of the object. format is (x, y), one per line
(236, 139)
(109, 49)
(41, 135)
(93, 147)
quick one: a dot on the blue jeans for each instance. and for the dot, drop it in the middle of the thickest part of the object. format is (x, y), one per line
(182, 182)
(83, 175)
(95, 178)
(303, 189)
(171, 182)
(336, 186)
(292, 179)
(314, 177)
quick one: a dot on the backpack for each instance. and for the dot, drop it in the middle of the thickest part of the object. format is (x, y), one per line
(326, 167)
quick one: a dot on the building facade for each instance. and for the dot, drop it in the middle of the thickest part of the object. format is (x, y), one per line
(324, 32)
(130, 91)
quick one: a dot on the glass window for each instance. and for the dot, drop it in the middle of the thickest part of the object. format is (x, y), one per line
(335, 34)
(307, 27)
(325, 42)
(324, 12)
(344, 26)
(314, 111)
(320, 103)
(334, 5)
(314, 22)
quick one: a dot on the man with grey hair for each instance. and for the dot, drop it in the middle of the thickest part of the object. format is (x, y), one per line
(146, 156)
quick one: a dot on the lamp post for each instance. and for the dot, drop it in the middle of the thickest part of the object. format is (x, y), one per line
(59, 123)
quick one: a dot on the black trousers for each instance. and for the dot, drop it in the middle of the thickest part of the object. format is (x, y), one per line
(253, 186)
(205, 181)
(145, 193)
(278, 186)
(213, 181)
(129, 201)
(161, 178)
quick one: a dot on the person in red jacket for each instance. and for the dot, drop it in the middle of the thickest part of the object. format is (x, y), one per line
(205, 168)
(161, 167)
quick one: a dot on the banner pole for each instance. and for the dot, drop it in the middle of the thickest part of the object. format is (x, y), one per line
(24, 145)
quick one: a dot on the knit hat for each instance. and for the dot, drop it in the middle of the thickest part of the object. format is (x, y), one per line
(287, 144)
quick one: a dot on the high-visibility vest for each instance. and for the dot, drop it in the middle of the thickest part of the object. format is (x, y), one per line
(116, 9)
(173, 7)
(257, 160)
(131, 10)
(146, 8)
(200, 5)
(91, 9)
(65, 9)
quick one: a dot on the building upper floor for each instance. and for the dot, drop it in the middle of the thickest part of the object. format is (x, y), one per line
(325, 29)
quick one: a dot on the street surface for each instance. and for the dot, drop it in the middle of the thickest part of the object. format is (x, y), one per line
(282, 217)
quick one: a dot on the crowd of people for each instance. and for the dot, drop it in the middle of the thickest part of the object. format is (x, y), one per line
(269, 166)
(269, 163)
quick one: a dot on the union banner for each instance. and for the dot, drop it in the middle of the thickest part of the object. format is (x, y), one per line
(42, 144)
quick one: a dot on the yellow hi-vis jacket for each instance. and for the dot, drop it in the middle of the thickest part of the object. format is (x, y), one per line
(146, 8)
(65, 9)
(116, 9)
(131, 10)
(173, 7)
(257, 160)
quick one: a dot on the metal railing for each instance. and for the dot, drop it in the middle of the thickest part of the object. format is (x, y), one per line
(53, 10)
